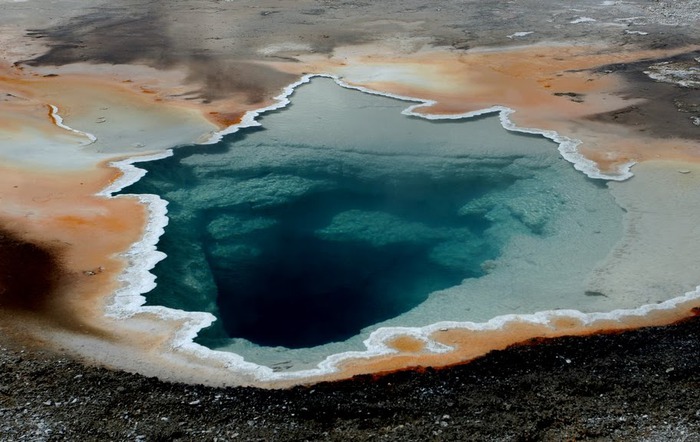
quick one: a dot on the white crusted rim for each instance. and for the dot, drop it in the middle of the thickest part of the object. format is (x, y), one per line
(143, 256)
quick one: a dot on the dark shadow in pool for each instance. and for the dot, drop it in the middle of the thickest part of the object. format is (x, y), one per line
(303, 292)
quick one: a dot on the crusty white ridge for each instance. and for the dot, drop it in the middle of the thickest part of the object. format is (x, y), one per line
(143, 256)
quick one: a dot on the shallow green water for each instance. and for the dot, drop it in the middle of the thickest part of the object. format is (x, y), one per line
(341, 213)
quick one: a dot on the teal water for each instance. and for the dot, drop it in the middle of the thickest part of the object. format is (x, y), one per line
(340, 213)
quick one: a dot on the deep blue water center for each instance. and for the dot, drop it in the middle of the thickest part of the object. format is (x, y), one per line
(337, 214)
(288, 285)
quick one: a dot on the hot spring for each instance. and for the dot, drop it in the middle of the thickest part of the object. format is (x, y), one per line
(340, 215)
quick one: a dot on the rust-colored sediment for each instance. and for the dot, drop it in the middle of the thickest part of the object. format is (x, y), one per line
(552, 87)
(470, 344)
(407, 344)
(55, 220)
(225, 119)
(74, 238)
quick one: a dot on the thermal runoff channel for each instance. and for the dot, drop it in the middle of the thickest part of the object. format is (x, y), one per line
(339, 214)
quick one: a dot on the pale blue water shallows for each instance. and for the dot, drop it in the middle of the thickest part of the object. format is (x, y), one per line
(340, 214)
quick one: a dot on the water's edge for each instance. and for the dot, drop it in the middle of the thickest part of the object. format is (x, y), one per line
(137, 279)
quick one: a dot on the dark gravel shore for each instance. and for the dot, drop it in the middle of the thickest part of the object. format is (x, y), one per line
(638, 385)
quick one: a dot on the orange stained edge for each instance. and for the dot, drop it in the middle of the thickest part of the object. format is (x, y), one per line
(467, 345)
(63, 209)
